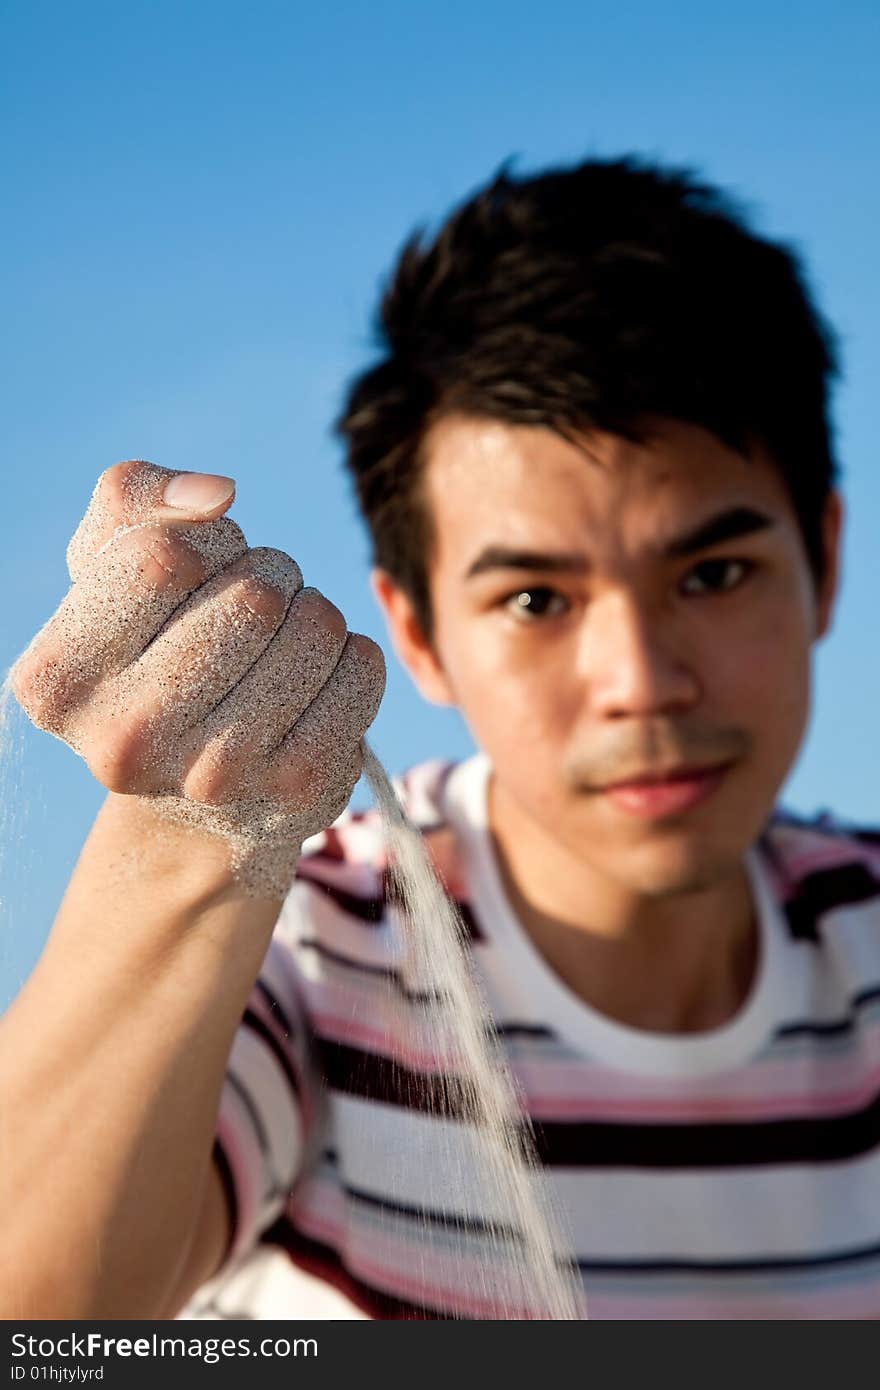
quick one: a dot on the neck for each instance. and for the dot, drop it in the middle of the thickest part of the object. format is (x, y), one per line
(678, 964)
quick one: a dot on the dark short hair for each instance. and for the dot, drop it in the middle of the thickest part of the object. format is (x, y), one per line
(594, 296)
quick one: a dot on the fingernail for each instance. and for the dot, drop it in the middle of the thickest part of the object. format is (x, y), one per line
(198, 492)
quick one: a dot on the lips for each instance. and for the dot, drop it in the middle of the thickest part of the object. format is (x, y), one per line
(672, 796)
(676, 774)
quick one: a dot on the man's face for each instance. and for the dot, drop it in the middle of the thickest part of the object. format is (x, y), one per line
(611, 657)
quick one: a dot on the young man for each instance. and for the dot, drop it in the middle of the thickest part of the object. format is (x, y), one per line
(596, 466)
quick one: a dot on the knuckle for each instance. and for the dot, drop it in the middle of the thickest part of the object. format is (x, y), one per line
(263, 600)
(337, 794)
(39, 684)
(21, 677)
(277, 562)
(275, 569)
(369, 661)
(219, 544)
(265, 581)
(208, 782)
(367, 652)
(118, 760)
(156, 557)
(357, 686)
(32, 699)
(301, 778)
(313, 607)
(166, 559)
(334, 807)
(225, 536)
(310, 780)
(316, 777)
(113, 483)
(351, 769)
(123, 494)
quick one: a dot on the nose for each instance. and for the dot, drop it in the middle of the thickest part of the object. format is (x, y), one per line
(634, 662)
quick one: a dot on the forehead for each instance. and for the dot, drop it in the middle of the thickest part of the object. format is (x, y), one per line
(489, 481)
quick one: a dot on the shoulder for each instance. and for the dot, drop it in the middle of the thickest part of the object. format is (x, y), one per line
(823, 865)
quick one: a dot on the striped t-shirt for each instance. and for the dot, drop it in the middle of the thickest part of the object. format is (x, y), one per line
(729, 1174)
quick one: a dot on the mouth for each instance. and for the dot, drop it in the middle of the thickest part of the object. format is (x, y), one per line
(667, 794)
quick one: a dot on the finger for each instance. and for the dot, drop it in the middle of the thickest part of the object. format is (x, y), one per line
(239, 734)
(320, 746)
(119, 604)
(289, 675)
(135, 492)
(153, 709)
(215, 638)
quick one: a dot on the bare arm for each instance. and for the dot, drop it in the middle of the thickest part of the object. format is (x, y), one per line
(111, 1063)
(113, 1056)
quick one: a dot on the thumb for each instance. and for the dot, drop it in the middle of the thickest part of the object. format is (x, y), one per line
(201, 496)
(136, 493)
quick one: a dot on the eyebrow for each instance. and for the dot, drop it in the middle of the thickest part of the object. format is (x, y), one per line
(723, 526)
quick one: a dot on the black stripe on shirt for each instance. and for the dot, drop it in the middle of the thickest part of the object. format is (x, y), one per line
(766, 1264)
(227, 1182)
(261, 1028)
(832, 1029)
(523, 1030)
(835, 1027)
(383, 972)
(867, 837)
(253, 1113)
(449, 1220)
(372, 1077)
(387, 972)
(472, 931)
(868, 995)
(597, 1144)
(277, 1187)
(825, 890)
(733, 1144)
(371, 909)
(275, 1006)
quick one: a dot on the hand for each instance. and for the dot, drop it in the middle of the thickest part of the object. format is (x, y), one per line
(187, 668)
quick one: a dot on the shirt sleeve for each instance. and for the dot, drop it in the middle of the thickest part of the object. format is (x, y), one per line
(268, 1104)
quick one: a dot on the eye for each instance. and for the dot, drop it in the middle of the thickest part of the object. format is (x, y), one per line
(713, 571)
(531, 604)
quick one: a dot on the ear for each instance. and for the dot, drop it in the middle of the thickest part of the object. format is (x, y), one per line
(409, 641)
(832, 530)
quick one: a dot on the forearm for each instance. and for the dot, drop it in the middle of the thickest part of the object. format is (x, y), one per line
(111, 1064)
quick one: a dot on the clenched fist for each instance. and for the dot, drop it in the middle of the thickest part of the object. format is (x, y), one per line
(189, 669)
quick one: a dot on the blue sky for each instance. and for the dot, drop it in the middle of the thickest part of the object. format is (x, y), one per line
(202, 198)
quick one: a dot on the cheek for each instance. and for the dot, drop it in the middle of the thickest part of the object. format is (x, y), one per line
(760, 683)
(519, 704)
(765, 685)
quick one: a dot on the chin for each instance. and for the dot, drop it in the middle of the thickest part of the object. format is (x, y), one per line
(672, 865)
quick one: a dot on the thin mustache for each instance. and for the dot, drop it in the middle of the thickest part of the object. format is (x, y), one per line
(636, 770)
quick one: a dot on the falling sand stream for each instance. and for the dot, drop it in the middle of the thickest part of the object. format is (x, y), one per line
(530, 1273)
